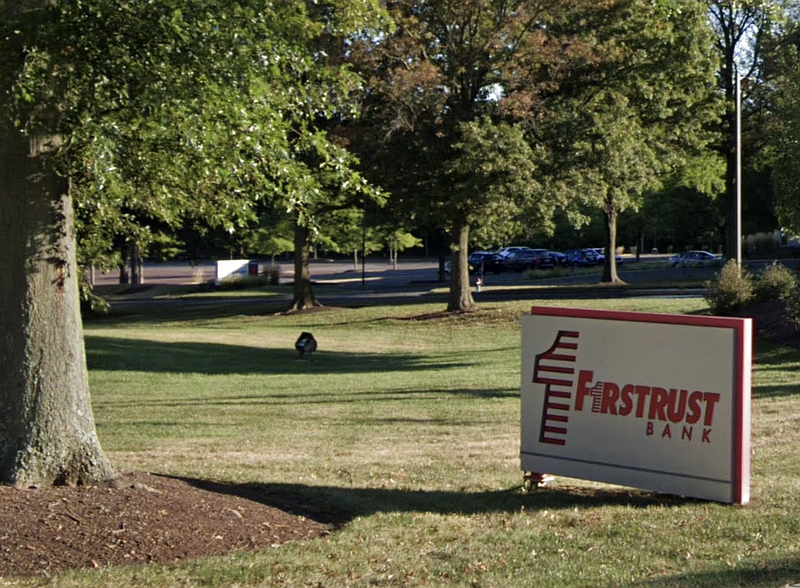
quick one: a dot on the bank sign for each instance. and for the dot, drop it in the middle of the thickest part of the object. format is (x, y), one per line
(653, 401)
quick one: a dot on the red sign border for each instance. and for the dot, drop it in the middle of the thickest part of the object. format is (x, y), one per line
(742, 327)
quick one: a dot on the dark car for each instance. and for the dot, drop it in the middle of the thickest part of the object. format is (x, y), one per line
(529, 259)
(582, 257)
(559, 258)
(482, 262)
(601, 256)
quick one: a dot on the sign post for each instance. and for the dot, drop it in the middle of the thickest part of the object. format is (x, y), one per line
(654, 401)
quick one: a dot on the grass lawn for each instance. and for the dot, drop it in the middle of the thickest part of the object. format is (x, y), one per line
(405, 427)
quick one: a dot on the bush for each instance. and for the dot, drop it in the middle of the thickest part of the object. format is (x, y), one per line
(241, 282)
(793, 309)
(776, 282)
(273, 275)
(732, 291)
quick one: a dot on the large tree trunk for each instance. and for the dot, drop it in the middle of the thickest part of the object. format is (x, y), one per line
(303, 292)
(460, 296)
(47, 431)
(610, 275)
(137, 273)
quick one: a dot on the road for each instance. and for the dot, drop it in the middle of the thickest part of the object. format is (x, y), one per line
(377, 274)
(378, 280)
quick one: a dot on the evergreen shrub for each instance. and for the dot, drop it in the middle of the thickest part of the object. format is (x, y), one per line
(776, 282)
(732, 290)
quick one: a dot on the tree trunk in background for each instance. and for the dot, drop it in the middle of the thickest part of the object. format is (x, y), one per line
(303, 292)
(610, 275)
(47, 430)
(137, 274)
(460, 295)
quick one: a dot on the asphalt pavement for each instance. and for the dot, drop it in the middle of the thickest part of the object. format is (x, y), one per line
(342, 282)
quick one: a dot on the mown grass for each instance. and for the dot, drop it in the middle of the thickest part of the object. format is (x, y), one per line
(404, 427)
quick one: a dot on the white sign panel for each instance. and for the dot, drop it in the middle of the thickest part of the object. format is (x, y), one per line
(232, 268)
(654, 401)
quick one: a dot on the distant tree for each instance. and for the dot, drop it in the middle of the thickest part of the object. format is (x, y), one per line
(492, 178)
(786, 150)
(400, 240)
(745, 33)
(632, 106)
(435, 86)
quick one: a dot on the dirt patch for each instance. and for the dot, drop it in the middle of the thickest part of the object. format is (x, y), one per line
(147, 519)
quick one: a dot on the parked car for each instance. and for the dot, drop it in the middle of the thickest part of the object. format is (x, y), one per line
(695, 259)
(560, 258)
(601, 256)
(506, 251)
(529, 259)
(485, 262)
(582, 257)
(478, 261)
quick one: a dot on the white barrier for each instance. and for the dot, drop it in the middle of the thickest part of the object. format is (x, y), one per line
(235, 268)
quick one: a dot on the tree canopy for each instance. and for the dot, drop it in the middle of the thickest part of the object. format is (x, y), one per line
(141, 115)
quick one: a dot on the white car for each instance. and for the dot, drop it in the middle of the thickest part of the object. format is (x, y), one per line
(506, 251)
(695, 259)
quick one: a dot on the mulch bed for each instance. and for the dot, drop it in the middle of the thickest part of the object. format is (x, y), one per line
(146, 519)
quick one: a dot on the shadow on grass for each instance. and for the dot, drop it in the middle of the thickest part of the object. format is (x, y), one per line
(317, 398)
(112, 354)
(177, 310)
(780, 572)
(772, 357)
(338, 505)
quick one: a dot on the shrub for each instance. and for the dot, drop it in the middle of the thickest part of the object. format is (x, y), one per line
(776, 282)
(273, 275)
(732, 290)
(241, 282)
(793, 309)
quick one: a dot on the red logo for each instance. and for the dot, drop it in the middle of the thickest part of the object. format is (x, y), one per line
(658, 407)
(555, 368)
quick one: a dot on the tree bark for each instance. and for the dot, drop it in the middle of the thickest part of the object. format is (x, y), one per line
(47, 430)
(610, 275)
(303, 292)
(460, 296)
(137, 275)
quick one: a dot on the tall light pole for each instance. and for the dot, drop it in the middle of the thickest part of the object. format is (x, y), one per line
(739, 170)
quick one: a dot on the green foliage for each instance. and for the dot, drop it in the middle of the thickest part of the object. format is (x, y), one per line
(732, 290)
(187, 113)
(786, 149)
(632, 108)
(793, 309)
(493, 180)
(637, 104)
(400, 240)
(90, 302)
(775, 282)
(264, 242)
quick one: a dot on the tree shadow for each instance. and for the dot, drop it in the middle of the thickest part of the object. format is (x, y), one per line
(209, 308)
(781, 572)
(339, 505)
(772, 357)
(314, 397)
(120, 354)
